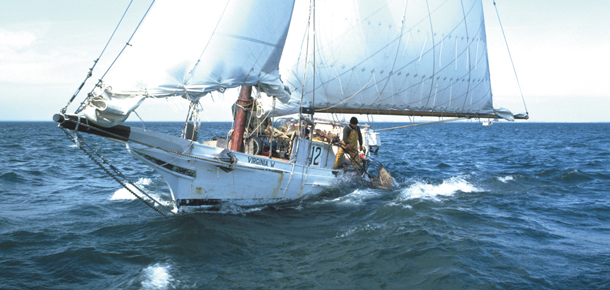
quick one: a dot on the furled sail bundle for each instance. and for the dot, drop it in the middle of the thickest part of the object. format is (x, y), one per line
(393, 57)
(190, 48)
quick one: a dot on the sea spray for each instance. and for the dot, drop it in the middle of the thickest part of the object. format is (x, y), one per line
(448, 187)
(157, 276)
(124, 194)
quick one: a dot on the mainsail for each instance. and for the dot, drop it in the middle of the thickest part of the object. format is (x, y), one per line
(426, 58)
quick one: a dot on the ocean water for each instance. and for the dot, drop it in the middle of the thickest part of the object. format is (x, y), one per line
(511, 206)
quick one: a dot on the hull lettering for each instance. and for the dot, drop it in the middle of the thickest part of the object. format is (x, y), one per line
(262, 162)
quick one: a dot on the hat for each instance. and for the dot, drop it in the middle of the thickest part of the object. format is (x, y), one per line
(354, 121)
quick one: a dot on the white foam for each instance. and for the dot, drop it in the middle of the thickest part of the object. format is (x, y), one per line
(229, 208)
(361, 228)
(144, 181)
(225, 208)
(505, 179)
(433, 191)
(124, 194)
(404, 206)
(357, 197)
(156, 277)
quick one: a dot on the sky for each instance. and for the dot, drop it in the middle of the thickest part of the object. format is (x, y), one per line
(560, 48)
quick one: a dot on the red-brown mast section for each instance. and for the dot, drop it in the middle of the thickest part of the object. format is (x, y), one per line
(244, 101)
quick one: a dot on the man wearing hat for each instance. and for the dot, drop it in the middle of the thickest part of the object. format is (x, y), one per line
(351, 138)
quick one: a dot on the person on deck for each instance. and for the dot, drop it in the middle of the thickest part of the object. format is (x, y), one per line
(351, 138)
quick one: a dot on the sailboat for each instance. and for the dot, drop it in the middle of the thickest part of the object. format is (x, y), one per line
(289, 60)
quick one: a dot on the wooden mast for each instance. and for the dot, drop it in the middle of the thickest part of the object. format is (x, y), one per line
(244, 101)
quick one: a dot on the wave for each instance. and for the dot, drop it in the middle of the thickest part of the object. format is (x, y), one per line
(357, 197)
(505, 179)
(124, 194)
(228, 208)
(573, 176)
(360, 228)
(12, 177)
(422, 190)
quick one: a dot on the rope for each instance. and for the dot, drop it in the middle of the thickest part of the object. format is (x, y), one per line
(511, 58)
(90, 73)
(354, 161)
(420, 124)
(310, 27)
(82, 105)
(79, 144)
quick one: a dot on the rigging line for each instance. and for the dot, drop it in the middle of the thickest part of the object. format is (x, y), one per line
(313, 26)
(402, 27)
(419, 124)
(117, 171)
(141, 121)
(467, 55)
(345, 100)
(264, 117)
(95, 61)
(511, 58)
(424, 52)
(433, 53)
(82, 105)
(309, 20)
(189, 117)
(78, 143)
(386, 46)
(129, 40)
(208, 42)
(313, 98)
(112, 159)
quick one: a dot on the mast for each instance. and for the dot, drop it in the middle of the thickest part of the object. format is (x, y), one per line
(243, 101)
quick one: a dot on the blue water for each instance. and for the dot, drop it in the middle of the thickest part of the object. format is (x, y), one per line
(515, 205)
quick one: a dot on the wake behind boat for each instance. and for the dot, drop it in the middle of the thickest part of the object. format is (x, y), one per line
(408, 58)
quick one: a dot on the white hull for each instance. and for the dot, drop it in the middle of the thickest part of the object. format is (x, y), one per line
(196, 177)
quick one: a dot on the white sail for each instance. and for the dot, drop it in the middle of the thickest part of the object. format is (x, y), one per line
(415, 55)
(189, 48)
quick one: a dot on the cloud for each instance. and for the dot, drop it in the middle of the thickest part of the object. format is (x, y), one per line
(14, 42)
(28, 59)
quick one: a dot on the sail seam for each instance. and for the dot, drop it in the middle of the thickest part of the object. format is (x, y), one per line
(207, 43)
(467, 55)
(247, 39)
(433, 54)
